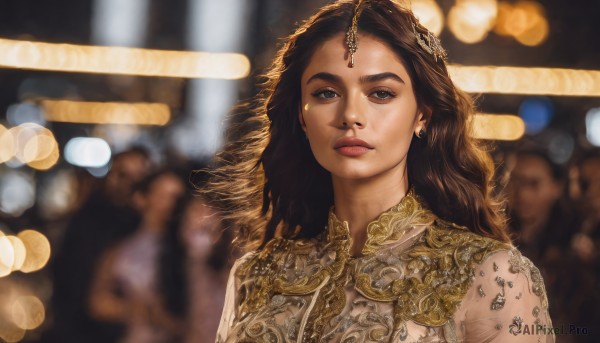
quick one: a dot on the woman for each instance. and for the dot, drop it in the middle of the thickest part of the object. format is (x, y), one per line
(194, 268)
(368, 205)
(126, 285)
(541, 218)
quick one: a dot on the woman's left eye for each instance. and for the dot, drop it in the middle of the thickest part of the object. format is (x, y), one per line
(382, 95)
(325, 94)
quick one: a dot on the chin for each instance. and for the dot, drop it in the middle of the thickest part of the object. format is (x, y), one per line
(352, 173)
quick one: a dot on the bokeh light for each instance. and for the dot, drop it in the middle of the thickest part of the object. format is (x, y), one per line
(59, 194)
(504, 19)
(497, 127)
(121, 60)
(17, 192)
(106, 112)
(537, 113)
(7, 255)
(560, 147)
(592, 126)
(522, 80)
(429, 14)
(7, 144)
(29, 143)
(24, 112)
(87, 152)
(19, 252)
(28, 312)
(38, 250)
(11, 333)
(471, 20)
(524, 20)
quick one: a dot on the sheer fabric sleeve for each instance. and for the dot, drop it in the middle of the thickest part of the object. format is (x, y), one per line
(231, 301)
(506, 303)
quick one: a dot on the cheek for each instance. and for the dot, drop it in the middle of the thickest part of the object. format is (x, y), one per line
(317, 121)
(397, 130)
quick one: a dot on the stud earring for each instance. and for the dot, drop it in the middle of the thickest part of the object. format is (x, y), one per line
(422, 134)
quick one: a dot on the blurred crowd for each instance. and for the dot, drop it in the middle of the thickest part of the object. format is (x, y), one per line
(555, 220)
(143, 259)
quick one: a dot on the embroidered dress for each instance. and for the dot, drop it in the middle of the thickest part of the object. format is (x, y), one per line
(418, 279)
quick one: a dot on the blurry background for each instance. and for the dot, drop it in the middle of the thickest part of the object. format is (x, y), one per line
(106, 106)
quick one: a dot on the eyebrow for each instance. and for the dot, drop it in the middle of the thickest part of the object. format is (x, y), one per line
(380, 77)
(363, 79)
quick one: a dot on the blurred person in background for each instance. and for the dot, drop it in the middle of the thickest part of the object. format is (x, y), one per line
(125, 288)
(540, 215)
(105, 217)
(583, 295)
(542, 221)
(194, 269)
(587, 240)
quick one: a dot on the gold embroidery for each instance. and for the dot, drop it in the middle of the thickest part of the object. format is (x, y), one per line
(439, 271)
(396, 222)
(416, 264)
(521, 264)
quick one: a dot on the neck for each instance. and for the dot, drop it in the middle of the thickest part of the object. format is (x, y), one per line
(359, 202)
(152, 223)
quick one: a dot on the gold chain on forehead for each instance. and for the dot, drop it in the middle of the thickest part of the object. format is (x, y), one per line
(352, 34)
(426, 39)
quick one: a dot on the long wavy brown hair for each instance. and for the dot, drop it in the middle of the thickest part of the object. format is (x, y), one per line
(268, 182)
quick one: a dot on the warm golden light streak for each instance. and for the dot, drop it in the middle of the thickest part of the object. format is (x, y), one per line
(523, 80)
(106, 112)
(122, 60)
(505, 127)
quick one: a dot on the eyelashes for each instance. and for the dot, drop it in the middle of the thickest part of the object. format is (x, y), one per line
(378, 95)
(383, 94)
(326, 93)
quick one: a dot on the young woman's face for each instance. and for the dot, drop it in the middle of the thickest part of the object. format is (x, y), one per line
(532, 189)
(359, 121)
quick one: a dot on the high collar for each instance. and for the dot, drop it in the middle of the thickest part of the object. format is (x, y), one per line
(390, 227)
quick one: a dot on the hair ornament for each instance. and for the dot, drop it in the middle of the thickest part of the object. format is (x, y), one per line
(430, 43)
(352, 34)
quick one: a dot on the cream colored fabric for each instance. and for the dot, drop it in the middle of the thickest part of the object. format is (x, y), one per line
(419, 279)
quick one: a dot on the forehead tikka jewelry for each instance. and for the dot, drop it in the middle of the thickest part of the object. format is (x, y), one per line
(352, 34)
(427, 41)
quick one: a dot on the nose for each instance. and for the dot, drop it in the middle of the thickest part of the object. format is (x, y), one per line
(353, 112)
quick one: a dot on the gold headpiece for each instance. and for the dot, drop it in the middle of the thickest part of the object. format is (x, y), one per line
(351, 35)
(430, 43)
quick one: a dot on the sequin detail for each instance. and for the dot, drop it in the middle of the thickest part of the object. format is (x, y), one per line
(414, 268)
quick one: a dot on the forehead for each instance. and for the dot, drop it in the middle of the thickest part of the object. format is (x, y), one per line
(373, 56)
(531, 165)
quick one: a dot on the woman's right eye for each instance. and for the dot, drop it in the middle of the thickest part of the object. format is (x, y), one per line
(324, 94)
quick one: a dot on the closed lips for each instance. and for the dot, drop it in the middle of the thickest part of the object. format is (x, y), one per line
(348, 142)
